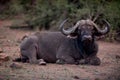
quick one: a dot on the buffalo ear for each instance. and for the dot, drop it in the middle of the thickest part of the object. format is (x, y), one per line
(96, 33)
(73, 35)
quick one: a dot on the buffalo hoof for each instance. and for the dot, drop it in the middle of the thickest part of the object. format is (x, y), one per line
(16, 66)
(59, 61)
(96, 61)
(83, 61)
(42, 62)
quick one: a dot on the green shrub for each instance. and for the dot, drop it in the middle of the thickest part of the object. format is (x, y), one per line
(48, 14)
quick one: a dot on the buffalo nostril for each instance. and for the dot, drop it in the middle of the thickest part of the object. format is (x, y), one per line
(86, 37)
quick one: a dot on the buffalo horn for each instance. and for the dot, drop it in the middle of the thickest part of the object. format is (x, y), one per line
(105, 30)
(69, 31)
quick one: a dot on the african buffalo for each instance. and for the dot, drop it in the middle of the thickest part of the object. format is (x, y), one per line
(75, 45)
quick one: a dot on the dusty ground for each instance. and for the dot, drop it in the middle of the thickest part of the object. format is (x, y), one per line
(109, 69)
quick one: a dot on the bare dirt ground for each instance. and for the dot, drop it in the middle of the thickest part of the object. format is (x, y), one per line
(109, 69)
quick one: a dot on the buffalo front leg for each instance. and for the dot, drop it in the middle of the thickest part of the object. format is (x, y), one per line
(65, 60)
(91, 61)
(64, 56)
(95, 61)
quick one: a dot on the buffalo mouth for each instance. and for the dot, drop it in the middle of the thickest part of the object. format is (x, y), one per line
(73, 36)
(86, 42)
(87, 38)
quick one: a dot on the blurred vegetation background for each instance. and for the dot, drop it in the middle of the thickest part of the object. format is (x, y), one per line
(48, 14)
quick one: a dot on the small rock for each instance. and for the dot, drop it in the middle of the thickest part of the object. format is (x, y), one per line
(75, 77)
(1, 50)
(117, 56)
(4, 57)
(97, 79)
(16, 65)
(0, 63)
(96, 73)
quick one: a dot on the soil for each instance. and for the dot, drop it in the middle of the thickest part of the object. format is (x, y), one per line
(109, 53)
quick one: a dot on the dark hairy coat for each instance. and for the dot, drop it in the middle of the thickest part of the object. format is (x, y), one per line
(76, 46)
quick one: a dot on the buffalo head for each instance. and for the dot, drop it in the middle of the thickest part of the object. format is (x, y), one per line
(85, 30)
